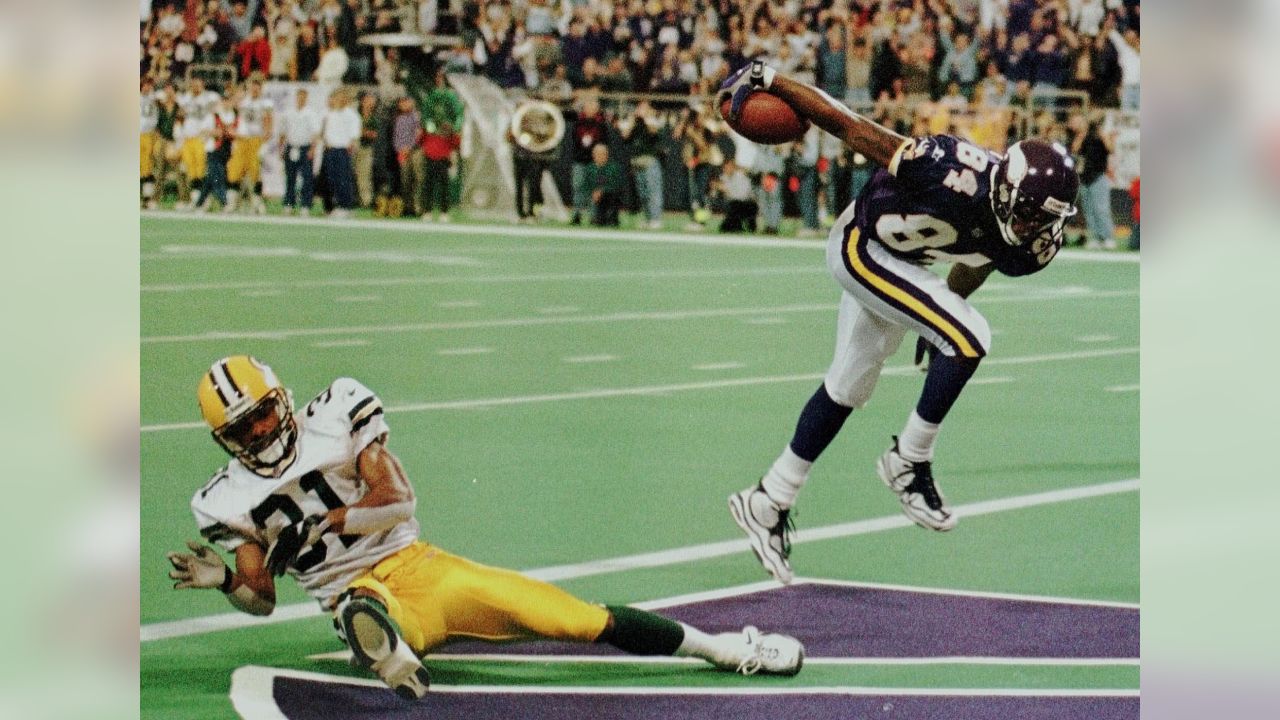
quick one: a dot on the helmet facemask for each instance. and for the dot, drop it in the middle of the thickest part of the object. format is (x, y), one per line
(267, 453)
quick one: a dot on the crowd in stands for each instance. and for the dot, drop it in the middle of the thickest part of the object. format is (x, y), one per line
(990, 70)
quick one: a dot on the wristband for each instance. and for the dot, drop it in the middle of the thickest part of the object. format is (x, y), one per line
(228, 578)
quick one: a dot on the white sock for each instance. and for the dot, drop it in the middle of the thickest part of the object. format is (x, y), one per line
(724, 649)
(917, 439)
(785, 478)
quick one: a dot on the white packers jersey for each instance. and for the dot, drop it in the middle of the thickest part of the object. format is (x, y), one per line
(199, 106)
(253, 113)
(192, 127)
(237, 506)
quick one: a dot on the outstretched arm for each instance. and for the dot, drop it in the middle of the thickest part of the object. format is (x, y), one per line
(863, 135)
(389, 501)
(250, 588)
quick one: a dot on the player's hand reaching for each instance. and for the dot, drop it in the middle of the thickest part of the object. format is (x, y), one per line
(292, 540)
(747, 79)
(203, 568)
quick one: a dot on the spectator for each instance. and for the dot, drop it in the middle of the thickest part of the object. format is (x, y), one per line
(284, 55)
(589, 130)
(806, 169)
(770, 163)
(640, 132)
(1052, 66)
(1135, 194)
(218, 152)
(241, 18)
(299, 134)
(406, 138)
(1127, 48)
(740, 209)
(702, 157)
(253, 54)
(993, 89)
(604, 178)
(438, 146)
(370, 130)
(441, 104)
(333, 63)
(858, 72)
(960, 64)
(340, 130)
(307, 54)
(833, 61)
(1093, 148)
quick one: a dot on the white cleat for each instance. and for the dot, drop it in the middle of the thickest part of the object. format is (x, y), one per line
(766, 654)
(921, 499)
(376, 645)
(768, 528)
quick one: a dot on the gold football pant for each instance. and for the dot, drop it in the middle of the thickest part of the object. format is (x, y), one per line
(244, 163)
(435, 596)
(193, 158)
(147, 142)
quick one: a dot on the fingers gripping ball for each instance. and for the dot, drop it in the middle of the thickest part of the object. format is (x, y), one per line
(766, 119)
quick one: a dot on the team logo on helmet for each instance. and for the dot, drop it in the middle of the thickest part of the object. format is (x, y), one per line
(250, 414)
(1035, 187)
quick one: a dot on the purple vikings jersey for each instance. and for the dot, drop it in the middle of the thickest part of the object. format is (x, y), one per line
(933, 204)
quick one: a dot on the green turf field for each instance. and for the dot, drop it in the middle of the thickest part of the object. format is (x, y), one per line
(564, 397)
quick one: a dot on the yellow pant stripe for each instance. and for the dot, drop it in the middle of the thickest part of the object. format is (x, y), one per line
(939, 323)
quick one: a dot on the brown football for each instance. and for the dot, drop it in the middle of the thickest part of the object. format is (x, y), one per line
(766, 119)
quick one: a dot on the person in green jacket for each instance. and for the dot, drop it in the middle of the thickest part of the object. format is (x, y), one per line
(605, 179)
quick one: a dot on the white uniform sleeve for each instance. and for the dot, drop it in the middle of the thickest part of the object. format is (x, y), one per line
(212, 528)
(362, 410)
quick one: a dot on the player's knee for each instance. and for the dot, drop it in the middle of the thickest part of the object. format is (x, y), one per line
(851, 393)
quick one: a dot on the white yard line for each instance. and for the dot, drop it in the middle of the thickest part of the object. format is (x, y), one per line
(465, 351)
(565, 233)
(1124, 388)
(588, 359)
(228, 621)
(345, 655)
(340, 343)
(605, 319)
(642, 390)
(507, 279)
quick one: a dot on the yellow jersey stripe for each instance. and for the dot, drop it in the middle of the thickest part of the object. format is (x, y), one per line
(938, 322)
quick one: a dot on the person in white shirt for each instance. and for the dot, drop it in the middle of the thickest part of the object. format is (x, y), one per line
(299, 131)
(340, 130)
(1128, 47)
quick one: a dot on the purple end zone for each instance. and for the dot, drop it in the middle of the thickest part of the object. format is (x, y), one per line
(312, 700)
(844, 621)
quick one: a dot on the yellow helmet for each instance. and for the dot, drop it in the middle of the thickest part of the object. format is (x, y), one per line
(238, 397)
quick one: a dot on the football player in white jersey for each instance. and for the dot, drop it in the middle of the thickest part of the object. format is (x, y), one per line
(148, 139)
(318, 496)
(198, 105)
(245, 168)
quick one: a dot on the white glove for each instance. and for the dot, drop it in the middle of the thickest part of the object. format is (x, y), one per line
(204, 569)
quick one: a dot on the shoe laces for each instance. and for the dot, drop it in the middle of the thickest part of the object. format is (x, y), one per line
(923, 485)
(783, 530)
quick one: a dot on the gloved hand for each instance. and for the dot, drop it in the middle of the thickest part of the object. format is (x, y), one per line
(202, 569)
(747, 79)
(292, 540)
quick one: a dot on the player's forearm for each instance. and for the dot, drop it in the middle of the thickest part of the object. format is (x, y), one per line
(863, 135)
(964, 280)
(246, 599)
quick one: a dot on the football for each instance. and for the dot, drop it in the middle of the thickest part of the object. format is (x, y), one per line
(766, 119)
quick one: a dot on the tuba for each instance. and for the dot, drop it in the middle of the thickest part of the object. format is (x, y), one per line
(537, 126)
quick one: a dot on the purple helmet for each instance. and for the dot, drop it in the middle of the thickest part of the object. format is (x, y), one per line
(1034, 191)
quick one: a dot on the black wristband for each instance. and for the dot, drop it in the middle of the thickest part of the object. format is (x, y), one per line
(227, 579)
